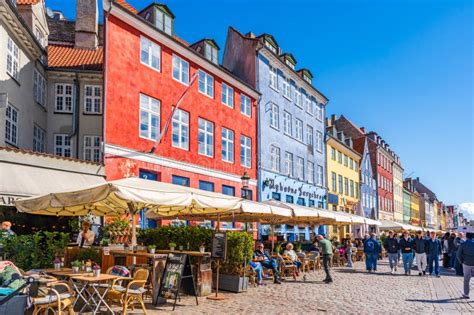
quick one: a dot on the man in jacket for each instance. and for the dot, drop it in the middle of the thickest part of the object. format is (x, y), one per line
(406, 245)
(434, 250)
(326, 251)
(465, 255)
(392, 245)
(420, 252)
(371, 249)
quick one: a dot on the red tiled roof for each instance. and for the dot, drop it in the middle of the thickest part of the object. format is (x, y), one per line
(27, 2)
(54, 156)
(182, 41)
(127, 6)
(68, 57)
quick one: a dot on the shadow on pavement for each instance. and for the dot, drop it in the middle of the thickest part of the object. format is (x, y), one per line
(442, 301)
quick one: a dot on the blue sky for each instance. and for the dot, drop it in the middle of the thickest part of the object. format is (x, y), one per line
(401, 68)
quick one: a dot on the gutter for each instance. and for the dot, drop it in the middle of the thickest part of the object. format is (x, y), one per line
(75, 114)
(104, 78)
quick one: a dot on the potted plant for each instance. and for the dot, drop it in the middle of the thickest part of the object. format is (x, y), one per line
(202, 248)
(57, 263)
(96, 270)
(298, 247)
(151, 249)
(278, 248)
(172, 245)
(76, 265)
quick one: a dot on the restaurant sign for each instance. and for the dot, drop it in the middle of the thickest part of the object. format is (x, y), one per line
(8, 200)
(289, 186)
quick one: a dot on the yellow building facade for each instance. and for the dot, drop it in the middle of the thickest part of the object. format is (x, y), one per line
(415, 209)
(343, 178)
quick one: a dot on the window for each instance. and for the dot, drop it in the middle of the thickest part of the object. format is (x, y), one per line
(319, 141)
(275, 158)
(206, 137)
(299, 129)
(180, 180)
(150, 53)
(301, 201)
(227, 95)
(310, 203)
(206, 84)
(310, 107)
(274, 116)
(273, 77)
(351, 188)
(92, 150)
(276, 196)
(93, 99)
(288, 164)
(149, 117)
(309, 135)
(11, 125)
(181, 129)
(39, 136)
(333, 182)
(300, 168)
(351, 163)
(310, 176)
(307, 79)
(39, 88)
(346, 186)
(245, 105)
(356, 189)
(339, 157)
(290, 199)
(290, 64)
(341, 191)
(62, 145)
(307, 103)
(346, 160)
(287, 123)
(204, 185)
(333, 154)
(320, 176)
(286, 86)
(63, 98)
(211, 53)
(228, 190)
(180, 70)
(270, 46)
(13, 59)
(164, 22)
(297, 97)
(227, 145)
(245, 151)
(319, 111)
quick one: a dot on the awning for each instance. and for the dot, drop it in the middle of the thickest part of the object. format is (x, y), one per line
(396, 226)
(27, 174)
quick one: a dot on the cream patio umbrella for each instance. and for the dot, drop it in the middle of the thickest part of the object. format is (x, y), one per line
(129, 196)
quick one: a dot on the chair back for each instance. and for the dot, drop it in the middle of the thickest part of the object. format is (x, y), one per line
(118, 270)
(142, 276)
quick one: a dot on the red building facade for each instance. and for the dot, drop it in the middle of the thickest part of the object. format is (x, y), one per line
(210, 141)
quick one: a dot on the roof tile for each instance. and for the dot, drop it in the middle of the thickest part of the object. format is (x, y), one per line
(68, 57)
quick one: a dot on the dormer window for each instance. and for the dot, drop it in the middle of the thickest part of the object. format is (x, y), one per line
(164, 21)
(307, 78)
(270, 46)
(211, 53)
(292, 66)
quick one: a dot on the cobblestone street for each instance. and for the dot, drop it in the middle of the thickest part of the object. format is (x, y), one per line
(353, 291)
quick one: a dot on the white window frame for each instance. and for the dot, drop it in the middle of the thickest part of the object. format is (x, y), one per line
(307, 103)
(288, 164)
(206, 130)
(92, 148)
(207, 82)
(13, 59)
(273, 77)
(274, 116)
(312, 107)
(299, 129)
(310, 172)
(180, 129)
(94, 99)
(161, 22)
(182, 70)
(153, 50)
(298, 97)
(151, 108)
(286, 88)
(319, 111)
(227, 95)
(287, 123)
(245, 151)
(319, 141)
(39, 88)
(63, 147)
(39, 139)
(275, 158)
(228, 145)
(210, 52)
(319, 175)
(300, 168)
(63, 96)
(309, 135)
(11, 125)
(245, 105)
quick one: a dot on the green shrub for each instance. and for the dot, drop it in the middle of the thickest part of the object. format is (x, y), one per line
(85, 254)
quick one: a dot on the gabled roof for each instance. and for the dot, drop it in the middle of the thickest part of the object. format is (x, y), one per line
(68, 57)
(269, 38)
(423, 189)
(162, 6)
(290, 57)
(27, 2)
(208, 40)
(127, 6)
(305, 72)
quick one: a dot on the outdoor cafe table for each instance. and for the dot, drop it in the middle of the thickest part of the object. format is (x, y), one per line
(87, 286)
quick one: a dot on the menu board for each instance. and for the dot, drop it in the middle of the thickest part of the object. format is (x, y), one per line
(219, 246)
(172, 275)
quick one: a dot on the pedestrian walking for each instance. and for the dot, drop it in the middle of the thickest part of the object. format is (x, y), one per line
(445, 249)
(465, 255)
(406, 246)
(433, 252)
(371, 250)
(326, 251)
(348, 245)
(452, 250)
(421, 246)
(457, 265)
(392, 246)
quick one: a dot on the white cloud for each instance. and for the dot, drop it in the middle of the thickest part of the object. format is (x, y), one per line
(467, 208)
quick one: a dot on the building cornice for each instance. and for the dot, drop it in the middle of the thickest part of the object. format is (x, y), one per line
(339, 144)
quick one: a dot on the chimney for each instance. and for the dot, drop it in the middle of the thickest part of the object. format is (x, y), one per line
(362, 129)
(86, 35)
(250, 35)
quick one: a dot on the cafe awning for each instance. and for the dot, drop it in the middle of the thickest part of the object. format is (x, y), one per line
(396, 226)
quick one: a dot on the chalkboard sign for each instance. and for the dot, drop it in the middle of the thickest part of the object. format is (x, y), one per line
(177, 269)
(219, 246)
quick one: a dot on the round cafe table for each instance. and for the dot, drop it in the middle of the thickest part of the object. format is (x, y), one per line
(86, 287)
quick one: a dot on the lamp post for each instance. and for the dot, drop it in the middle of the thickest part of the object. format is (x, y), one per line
(245, 185)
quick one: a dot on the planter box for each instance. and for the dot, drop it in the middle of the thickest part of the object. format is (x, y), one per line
(231, 283)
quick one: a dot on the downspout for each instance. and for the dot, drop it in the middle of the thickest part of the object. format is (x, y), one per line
(259, 145)
(104, 79)
(75, 115)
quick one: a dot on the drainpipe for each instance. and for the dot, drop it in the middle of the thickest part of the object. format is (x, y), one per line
(104, 79)
(75, 114)
(259, 145)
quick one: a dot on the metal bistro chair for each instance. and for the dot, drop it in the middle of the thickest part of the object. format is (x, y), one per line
(132, 293)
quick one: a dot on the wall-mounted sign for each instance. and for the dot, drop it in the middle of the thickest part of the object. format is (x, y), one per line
(8, 200)
(290, 186)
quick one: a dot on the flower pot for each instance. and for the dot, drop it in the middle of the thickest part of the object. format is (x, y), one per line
(231, 283)
(88, 269)
(171, 248)
(57, 266)
(75, 269)
(96, 272)
(152, 250)
(202, 249)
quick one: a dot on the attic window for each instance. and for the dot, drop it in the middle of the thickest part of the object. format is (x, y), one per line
(307, 78)
(211, 53)
(270, 46)
(164, 22)
(289, 63)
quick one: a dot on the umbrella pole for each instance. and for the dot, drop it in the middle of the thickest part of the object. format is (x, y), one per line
(273, 237)
(134, 230)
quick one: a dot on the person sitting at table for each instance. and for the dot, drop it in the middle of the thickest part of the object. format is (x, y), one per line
(289, 252)
(258, 269)
(86, 236)
(267, 262)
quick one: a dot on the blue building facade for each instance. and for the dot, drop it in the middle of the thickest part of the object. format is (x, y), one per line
(291, 149)
(368, 185)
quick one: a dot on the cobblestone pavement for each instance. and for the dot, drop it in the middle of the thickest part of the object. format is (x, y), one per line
(353, 291)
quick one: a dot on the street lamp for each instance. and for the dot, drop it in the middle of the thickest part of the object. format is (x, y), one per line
(245, 181)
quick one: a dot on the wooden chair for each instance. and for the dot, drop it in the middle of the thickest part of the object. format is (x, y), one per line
(287, 266)
(59, 299)
(312, 261)
(360, 255)
(132, 293)
(304, 262)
